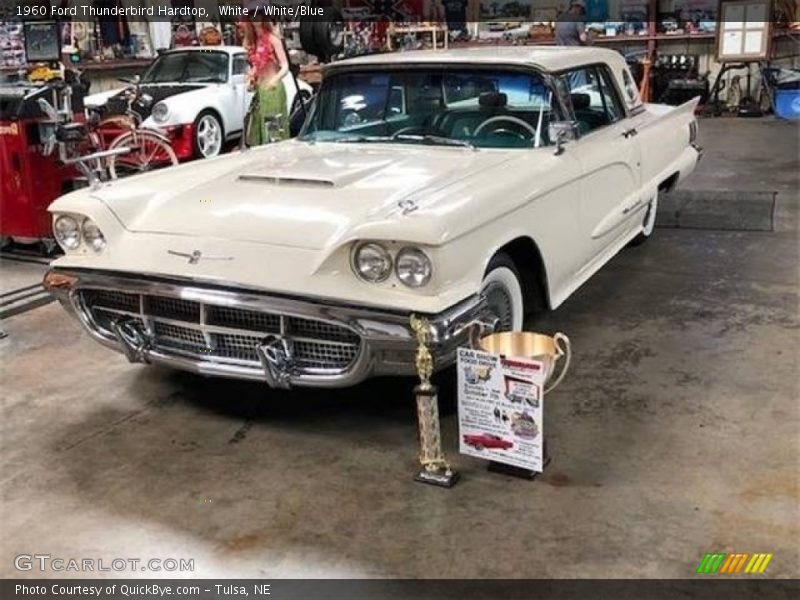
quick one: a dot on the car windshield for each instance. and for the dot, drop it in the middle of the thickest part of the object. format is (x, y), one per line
(474, 107)
(189, 67)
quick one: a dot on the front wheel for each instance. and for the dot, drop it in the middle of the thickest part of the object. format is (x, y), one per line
(502, 287)
(148, 151)
(649, 223)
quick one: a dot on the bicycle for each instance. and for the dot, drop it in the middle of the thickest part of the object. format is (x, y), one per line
(135, 150)
(149, 149)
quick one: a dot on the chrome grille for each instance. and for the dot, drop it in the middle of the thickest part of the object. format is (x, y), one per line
(223, 334)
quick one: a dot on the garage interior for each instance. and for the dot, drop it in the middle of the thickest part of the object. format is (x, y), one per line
(675, 434)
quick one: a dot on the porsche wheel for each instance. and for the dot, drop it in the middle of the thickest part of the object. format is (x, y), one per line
(208, 135)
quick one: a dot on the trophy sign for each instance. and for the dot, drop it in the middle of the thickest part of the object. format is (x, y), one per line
(503, 380)
(435, 469)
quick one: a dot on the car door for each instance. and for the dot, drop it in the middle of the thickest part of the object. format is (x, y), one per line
(609, 154)
(240, 95)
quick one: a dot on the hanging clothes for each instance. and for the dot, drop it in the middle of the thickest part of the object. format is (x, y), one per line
(113, 29)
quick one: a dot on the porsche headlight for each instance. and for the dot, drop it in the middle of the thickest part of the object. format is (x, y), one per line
(372, 262)
(413, 267)
(160, 112)
(92, 235)
(67, 232)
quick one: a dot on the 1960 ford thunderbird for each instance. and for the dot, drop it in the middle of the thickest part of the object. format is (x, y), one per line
(465, 186)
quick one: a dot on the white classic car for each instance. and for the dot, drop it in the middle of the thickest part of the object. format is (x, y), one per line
(463, 185)
(197, 96)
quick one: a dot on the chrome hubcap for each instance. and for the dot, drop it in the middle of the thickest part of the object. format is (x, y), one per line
(209, 136)
(501, 305)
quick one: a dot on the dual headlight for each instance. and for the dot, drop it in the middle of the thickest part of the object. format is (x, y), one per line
(71, 230)
(160, 112)
(374, 263)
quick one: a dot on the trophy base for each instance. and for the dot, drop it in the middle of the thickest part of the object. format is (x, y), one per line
(440, 478)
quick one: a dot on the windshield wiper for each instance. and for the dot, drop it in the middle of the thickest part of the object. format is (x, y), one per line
(357, 139)
(435, 139)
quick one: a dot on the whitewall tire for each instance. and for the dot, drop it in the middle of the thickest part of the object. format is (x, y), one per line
(649, 223)
(503, 291)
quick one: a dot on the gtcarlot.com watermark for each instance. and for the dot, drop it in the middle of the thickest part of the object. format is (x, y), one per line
(57, 564)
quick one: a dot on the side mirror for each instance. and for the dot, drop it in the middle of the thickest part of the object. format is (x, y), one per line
(563, 131)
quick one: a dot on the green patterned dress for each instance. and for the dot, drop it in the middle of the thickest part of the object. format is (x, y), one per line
(268, 116)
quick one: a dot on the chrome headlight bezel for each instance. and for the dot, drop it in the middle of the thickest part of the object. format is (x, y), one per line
(378, 252)
(413, 267)
(92, 235)
(160, 112)
(67, 231)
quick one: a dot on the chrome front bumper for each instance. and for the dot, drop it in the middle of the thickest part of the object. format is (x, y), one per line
(247, 334)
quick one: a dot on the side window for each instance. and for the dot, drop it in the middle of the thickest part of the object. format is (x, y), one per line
(594, 99)
(239, 64)
(630, 88)
(611, 101)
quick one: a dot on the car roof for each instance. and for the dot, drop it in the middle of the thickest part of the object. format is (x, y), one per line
(547, 58)
(228, 49)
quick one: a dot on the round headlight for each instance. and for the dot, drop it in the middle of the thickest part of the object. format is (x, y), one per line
(413, 267)
(67, 232)
(160, 112)
(92, 235)
(372, 262)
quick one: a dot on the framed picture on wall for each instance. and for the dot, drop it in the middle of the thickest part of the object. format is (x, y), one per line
(744, 32)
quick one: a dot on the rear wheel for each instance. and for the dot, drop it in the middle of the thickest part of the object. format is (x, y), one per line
(502, 287)
(649, 223)
(148, 151)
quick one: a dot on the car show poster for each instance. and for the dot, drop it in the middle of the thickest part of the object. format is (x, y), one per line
(500, 408)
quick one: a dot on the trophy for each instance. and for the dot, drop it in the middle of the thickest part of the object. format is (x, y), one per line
(435, 469)
(549, 350)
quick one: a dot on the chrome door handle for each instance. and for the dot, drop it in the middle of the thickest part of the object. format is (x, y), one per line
(630, 132)
(631, 207)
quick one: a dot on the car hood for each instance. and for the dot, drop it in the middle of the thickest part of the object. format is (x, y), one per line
(116, 103)
(291, 194)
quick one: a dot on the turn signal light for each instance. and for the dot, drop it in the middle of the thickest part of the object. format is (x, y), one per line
(55, 280)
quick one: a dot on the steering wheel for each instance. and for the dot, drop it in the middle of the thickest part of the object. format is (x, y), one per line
(510, 133)
(508, 119)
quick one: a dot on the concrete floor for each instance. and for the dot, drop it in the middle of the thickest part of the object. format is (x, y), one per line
(676, 433)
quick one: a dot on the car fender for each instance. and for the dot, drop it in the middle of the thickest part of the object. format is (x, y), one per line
(184, 108)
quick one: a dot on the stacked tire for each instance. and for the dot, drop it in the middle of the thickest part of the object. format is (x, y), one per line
(324, 39)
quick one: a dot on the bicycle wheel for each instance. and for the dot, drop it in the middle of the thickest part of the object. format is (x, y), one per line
(148, 151)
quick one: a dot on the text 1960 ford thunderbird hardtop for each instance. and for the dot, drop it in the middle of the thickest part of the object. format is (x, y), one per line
(464, 185)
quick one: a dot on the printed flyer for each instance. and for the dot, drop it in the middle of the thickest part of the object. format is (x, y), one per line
(500, 408)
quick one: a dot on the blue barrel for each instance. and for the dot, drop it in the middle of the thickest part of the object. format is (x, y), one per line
(787, 104)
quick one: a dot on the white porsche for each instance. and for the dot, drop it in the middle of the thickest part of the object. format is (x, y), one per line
(197, 96)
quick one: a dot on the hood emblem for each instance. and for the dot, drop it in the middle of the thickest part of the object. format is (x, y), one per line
(196, 255)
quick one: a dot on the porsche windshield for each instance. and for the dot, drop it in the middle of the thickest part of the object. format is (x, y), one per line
(476, 107)
(192, 66)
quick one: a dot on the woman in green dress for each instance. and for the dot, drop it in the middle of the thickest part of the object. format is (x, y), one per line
(269, 114)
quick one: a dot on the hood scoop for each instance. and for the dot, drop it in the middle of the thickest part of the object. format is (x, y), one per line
(287, 181)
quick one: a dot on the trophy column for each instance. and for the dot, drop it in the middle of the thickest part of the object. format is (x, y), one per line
(435, 469)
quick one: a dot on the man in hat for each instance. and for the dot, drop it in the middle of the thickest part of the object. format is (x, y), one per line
(570, 27)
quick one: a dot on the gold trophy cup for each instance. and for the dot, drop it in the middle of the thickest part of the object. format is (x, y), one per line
(549, 350)
(435, 469)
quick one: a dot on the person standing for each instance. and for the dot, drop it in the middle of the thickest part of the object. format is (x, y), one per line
(268, 65)
(571, 26)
